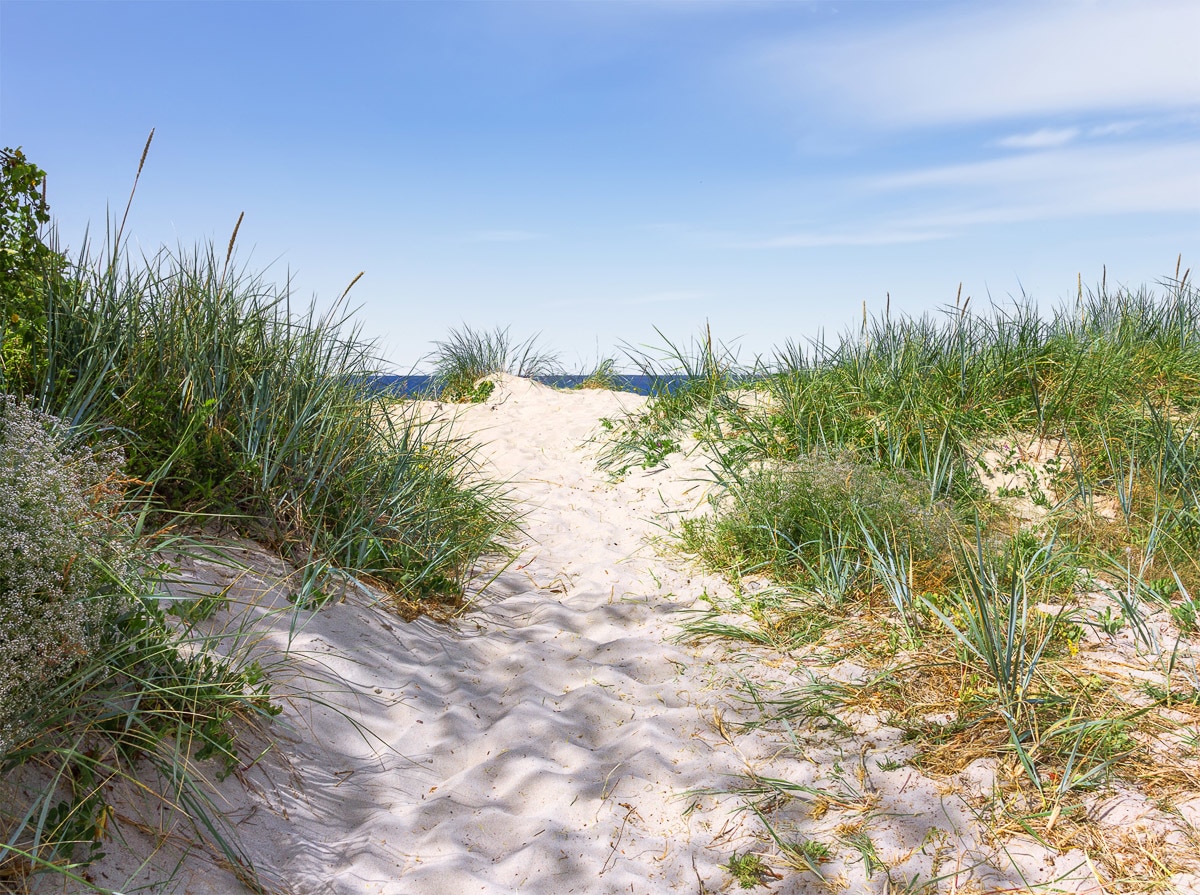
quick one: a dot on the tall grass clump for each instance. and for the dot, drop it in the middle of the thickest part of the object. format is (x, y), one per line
(230, 401)
(136, 394)
(227, 399)
(1088, 415)
(786, 519)
(974, 505)
(994, 619)
(469, 356)
(691, 389)
(603, 375)
(1095, 401)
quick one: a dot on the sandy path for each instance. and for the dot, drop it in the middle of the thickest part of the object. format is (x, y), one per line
(543, 744)
(569, 734)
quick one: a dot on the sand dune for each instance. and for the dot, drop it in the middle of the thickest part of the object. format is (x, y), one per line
(551, 740)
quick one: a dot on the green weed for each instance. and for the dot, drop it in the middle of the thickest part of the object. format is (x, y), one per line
(690, 396)
(747, 869)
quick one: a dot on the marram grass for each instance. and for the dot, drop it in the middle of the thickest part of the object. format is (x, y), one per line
(229, 400)
(462, 363)
(151, 393)
(955, 496)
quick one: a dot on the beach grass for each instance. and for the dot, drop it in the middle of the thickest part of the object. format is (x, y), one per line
(992, 516)
(463, 362)
(149, 397)
(990, 511)
(692, 387)
(229, 400)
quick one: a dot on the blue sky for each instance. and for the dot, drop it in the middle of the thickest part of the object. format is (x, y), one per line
(591, 171)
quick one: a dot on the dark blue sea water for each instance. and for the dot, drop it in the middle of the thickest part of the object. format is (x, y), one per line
(416, 384)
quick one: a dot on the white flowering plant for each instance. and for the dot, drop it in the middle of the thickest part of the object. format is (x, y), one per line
(95, 685)
(64, 548)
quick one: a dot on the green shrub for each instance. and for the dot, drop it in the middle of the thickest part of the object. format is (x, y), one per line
(747, 869)
(26, 263)
(96, 687)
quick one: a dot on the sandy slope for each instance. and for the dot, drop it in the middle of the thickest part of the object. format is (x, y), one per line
(547, 742)
(543, 744)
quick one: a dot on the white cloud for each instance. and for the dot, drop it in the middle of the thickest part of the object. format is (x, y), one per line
(1113, 129)
(1127, 179)
(938, 203)
(1045, 138)
(971, 63)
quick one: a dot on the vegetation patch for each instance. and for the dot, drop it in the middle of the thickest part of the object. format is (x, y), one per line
(992, 519)
(462, 363)
(139, 398)
(97, 689)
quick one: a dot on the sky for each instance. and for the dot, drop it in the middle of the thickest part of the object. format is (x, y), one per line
(615, 173)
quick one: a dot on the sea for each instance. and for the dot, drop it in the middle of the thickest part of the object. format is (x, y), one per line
(415, 384)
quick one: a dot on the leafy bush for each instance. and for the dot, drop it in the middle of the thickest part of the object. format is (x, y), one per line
(26, 262)
(96, 688)
(63, 544)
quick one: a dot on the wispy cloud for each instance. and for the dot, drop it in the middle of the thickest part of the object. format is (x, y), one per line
(1113, 129)
(875, 237)
(941, 202)
(1167, 176)
(505, 236)
(1045, 138)
(1058, 183)
(1055, 137)
(972, 63)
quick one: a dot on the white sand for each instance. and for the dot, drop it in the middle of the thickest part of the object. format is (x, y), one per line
(546, 743)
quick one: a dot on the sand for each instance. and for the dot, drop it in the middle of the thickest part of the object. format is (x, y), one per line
(555, 738)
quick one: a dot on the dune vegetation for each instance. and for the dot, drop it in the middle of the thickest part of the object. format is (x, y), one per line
(996, 514)
(153, 402)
